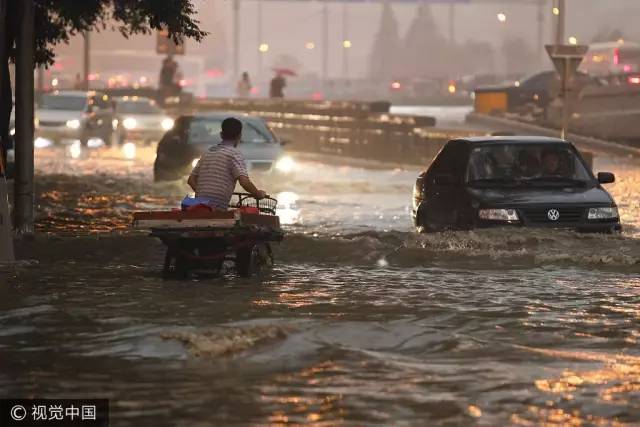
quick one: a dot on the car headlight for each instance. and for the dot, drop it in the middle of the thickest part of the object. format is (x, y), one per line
(603, 213)
(285, 164)
(194, 162)
(129, 123)
(73, 124)
(166, 123)
(498, 214)
(129, 150)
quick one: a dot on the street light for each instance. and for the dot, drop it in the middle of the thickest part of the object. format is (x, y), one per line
(502, 17)
(573, 40)
(310, 45)
(264, 48)
(556, 11)
(347, 44)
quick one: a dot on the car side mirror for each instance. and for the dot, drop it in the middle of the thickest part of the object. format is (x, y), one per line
(606, 178)
(445, 179)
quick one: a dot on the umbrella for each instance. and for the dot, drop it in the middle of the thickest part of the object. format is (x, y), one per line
(285, 72)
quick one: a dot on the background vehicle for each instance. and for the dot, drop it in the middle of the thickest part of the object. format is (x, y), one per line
(604, 59)
(181, 147)
(69, 116)
(139, 119)
(492, 181)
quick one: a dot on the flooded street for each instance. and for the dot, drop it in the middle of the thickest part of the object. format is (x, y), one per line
(362, 322)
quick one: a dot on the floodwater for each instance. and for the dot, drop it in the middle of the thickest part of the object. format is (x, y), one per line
(362, 322)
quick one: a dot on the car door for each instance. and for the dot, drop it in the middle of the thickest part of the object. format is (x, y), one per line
(443, 187)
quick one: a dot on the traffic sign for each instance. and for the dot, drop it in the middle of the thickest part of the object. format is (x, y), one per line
(166, 46)
(566, 58)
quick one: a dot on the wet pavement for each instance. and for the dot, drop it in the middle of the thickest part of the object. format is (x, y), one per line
(362, 322)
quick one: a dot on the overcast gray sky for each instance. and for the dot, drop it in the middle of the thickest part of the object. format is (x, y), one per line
(288, 25)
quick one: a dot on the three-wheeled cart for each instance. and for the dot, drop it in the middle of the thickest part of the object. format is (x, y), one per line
(204, 240)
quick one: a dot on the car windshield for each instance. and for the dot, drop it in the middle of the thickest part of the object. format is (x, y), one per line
(64, 102)
(526, 163)
(137, 107)
(207, 130)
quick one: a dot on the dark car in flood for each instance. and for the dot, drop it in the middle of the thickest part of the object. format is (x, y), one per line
(180, 148)
(516, 181)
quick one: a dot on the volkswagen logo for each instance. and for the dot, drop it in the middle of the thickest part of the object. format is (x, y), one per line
(553, 214)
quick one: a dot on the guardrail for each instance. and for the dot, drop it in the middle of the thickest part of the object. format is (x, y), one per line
(360, 130)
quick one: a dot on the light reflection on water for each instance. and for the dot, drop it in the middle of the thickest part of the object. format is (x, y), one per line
(362, 322)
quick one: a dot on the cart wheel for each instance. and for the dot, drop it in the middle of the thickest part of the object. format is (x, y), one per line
(254, 260)
(175, 266)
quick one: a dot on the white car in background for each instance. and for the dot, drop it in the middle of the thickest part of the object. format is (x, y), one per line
(74, 117)
(140, 120)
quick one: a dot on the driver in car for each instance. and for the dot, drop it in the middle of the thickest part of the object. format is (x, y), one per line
(552, 164)
(216, 173)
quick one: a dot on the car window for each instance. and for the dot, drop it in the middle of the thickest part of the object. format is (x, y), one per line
(63, 102)
(207, 130)
(204, 130)
(103, 102)
(448, 161)
(524, 161)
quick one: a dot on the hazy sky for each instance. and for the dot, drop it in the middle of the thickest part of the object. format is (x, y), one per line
(289, 25)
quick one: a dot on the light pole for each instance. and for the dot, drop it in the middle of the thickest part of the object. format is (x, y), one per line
(325, 45)
(236, 38)
(346, 43)
(262, 46)
(560, 11)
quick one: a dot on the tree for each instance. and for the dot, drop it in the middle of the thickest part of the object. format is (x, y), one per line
(385, 53)
(426, 53)
(57, 20)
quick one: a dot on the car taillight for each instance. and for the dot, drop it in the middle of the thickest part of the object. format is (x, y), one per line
(634, 80)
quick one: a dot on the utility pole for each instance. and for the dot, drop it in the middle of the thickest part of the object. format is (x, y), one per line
(260, 38)
(540, 13)
(236, 38)
(86, 60)
(25, 42)
(325, 45)
(452, 23)
(345, 41)
(560, 24)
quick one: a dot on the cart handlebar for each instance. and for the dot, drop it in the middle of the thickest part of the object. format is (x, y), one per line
(266, 205)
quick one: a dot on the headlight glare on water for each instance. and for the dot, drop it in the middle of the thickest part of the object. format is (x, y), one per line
(129, 150)
(285, 164)
(498, 214)
(603, 213)
(167, 123)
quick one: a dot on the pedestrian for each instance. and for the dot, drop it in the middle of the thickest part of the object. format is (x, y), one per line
(278, 83)
(243, 88)
(79, 83)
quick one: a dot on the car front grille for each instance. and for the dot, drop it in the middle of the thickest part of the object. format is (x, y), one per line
(49, 123)
(541, 215)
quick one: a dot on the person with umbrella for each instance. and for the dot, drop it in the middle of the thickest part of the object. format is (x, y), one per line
(278, 83)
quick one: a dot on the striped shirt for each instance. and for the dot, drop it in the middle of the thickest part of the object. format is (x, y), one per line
(217, 172)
